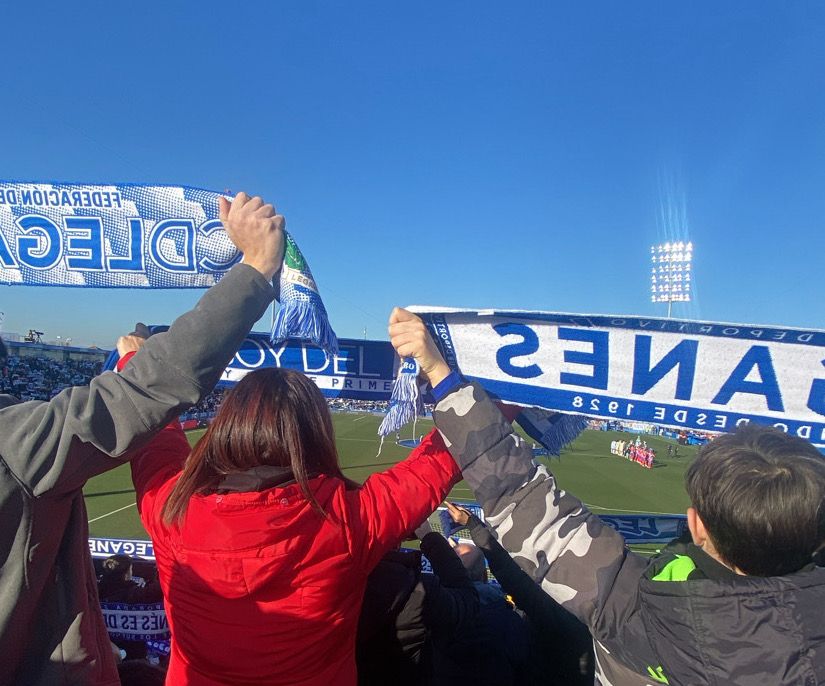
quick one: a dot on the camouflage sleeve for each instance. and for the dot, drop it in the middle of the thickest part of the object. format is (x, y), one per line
(551, 535)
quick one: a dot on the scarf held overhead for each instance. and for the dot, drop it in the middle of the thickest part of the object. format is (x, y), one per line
(699, 376)
(139, 236)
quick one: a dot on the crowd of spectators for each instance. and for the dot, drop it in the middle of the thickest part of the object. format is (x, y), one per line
(207, 407)
(347, 405)
(41, 378)
(436, 623)
(443, 621)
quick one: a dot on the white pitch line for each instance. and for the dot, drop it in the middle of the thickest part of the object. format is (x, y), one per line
(363, 416)
(359, 440)
(120, 509)
(616, 509)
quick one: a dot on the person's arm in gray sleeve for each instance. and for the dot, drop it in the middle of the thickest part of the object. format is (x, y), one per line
(56, 446)
(580, 562)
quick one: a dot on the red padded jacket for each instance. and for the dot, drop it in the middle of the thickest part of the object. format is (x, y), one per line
(259, 587)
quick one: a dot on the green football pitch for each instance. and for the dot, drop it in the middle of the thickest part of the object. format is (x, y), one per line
(606, 482)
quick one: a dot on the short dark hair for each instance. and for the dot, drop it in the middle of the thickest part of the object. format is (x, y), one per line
(4, 353)
(761, 496)
(117, 566)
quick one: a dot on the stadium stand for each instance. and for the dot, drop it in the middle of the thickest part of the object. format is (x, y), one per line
(206, 409)
(40, 377)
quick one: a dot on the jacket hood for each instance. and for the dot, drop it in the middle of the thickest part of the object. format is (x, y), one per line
(242, 541)
(742, 630)
(242, 520)
(258, 478)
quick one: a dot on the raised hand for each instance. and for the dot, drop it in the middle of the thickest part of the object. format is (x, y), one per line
(410, 338)
(458, 514)
(256, 230)
(130, 343)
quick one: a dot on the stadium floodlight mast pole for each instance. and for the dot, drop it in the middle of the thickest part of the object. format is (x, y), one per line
(670, 273)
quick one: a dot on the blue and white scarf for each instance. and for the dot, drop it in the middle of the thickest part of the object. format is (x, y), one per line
(698, 376)
(139, 236)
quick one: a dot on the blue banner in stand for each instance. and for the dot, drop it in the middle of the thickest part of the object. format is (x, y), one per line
(647, 528)
(361, 370)
(635, 528)
(106, 547)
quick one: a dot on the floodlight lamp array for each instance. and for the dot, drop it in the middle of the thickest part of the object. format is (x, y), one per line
(673, 298)
(670, 274)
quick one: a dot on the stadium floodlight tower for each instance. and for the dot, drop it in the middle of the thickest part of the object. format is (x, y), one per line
(670, 273)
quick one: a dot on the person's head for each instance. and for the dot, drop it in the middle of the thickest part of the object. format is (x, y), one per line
(117, 568)
(4, 353)
(758, 500)
(274, 417)
(473, 560)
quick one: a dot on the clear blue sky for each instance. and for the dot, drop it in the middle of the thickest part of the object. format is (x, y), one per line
(479, 154)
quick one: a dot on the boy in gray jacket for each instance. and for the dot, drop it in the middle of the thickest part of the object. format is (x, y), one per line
(740, 601)
(51, 628)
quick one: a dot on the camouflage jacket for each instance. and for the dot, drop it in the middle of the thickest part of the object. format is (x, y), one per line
(745, 630)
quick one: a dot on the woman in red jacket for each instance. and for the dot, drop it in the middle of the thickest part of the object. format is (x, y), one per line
(263, 546)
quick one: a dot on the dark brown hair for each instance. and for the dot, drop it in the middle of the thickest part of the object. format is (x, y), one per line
(274, 417)
(761, 496)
